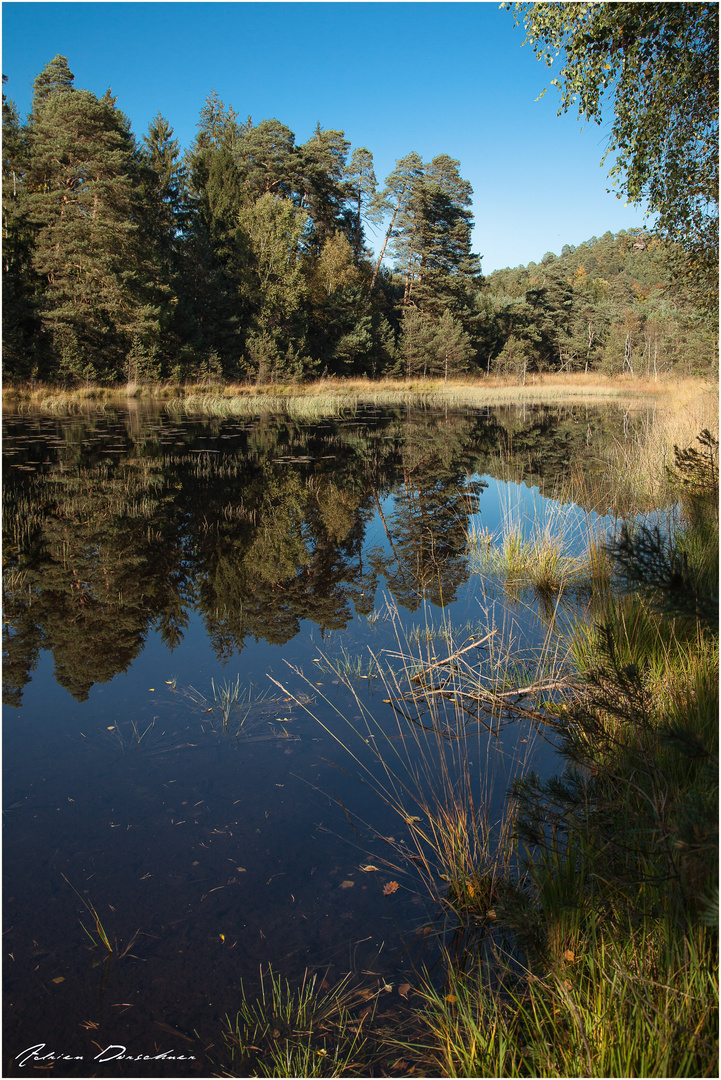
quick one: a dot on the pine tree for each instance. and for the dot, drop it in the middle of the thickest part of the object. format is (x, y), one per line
(322, 192)
(97, 291)
(18, 309)
(362, 186)
(433, 241)
(396, 199)
(268, 160)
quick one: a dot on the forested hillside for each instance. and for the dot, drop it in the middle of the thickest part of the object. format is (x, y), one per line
(612, 304)
(247, 257)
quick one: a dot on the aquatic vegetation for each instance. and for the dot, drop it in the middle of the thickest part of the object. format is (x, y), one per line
(439, 764)
(550, 554)
(596, 900)
(309, 1030)
(102, 934)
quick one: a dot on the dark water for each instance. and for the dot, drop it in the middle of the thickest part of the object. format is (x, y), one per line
(148, 564)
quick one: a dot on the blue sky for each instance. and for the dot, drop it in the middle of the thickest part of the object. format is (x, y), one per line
(437, 78)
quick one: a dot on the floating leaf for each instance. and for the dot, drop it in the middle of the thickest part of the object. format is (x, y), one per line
(390, 887)
(241, 870)
(347, 884)
(60, 978)
(452, 998)
(404, 989)
(369, 869)
(409, 820)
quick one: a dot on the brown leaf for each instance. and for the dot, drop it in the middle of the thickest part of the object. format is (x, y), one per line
(390, 887)
(568, 955)
(404, 990)
(347, 884)
(369, 868)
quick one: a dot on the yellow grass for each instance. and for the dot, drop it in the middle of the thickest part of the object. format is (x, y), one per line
(331, 395)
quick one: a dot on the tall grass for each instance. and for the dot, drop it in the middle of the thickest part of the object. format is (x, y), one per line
(302, 1031)
(436, 757)
(614, 966)
(548, 552)
(593, 895)
(333, 396)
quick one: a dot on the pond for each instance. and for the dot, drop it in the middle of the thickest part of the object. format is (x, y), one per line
(211, 629)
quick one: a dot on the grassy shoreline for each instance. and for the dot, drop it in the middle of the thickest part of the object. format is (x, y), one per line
(332, 395)
(589, 923)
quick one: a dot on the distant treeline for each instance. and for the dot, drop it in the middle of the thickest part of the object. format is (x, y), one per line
(246, 258)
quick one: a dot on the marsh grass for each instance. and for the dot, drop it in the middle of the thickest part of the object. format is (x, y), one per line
(435, 758)
(618, 1008)
(594, 894)
(308, 1030)
(103, 937)
(334, 396)
(551, 552)
(614, 969)
(230, 702)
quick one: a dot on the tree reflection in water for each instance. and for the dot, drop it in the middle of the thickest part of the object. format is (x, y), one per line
(120, 525)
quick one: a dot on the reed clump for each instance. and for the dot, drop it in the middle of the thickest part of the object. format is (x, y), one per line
(308, 1030)
(547, 554)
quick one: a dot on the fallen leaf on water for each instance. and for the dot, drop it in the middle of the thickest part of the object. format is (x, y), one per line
(409, 820)
(151, 689)
(390, 887)
(241, 870)
(404, 989)
(369, 869)
(452, 998)
(60, 978)
(347, 884)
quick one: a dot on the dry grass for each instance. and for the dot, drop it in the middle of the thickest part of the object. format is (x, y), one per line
(333, 395)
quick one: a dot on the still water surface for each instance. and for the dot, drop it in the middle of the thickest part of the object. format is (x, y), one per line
(150, 562)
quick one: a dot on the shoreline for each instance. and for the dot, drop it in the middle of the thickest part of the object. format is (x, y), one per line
(334, 395)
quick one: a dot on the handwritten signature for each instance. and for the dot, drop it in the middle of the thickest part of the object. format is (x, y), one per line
(34, 1055)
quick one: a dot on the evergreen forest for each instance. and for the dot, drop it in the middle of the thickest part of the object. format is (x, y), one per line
(247, 257)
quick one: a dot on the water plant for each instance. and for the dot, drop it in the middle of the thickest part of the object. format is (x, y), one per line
(308, 1030)
(103, 937)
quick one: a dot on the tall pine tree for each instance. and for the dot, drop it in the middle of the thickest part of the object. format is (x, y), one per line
(89, 251)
